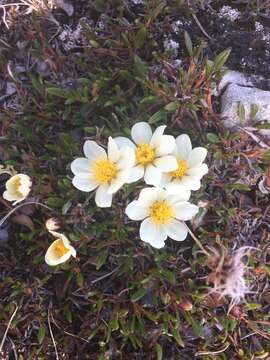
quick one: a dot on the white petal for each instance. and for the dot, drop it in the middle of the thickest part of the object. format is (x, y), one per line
(183, 145)
(152, 175)
(126, 158)
(120, 180)
(185, 211)
(136, 173)
(166, 145)
(123, 141)
(84, 184)
(196, 156)
(135, 211)
(152, 234)
(176, 230)
(180, 196)
(52, 258)
(157, 135)
(191, 182)
(113, 151)
(166, 163)
(141, 133)
(12, 196)
(198, 171)
(148, 196)
(81, 167)
(93, 151)
(176, 187)
(102, 198)
(165, 179)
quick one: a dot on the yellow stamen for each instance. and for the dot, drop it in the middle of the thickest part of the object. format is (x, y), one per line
(161, 212)
(60, 248)
(181, 170)
(17, 184)
(105, 171)
(145, 154)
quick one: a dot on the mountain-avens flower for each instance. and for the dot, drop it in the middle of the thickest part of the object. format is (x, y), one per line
(60, 250)
(190, 168)
(105, 172)
(162, 215)
(153, 153)
(17, 188)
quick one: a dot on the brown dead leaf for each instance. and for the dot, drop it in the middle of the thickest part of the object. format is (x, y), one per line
(24, 220)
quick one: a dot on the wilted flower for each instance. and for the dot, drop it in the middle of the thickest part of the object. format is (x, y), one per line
(52, 224)
(163, 215)
(153, 153)
(17, 188)
(60, 250)
(106, 173)
(190, 168)
(227, 274)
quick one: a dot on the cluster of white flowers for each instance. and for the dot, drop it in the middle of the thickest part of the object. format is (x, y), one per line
(229, 13)
(170, 165)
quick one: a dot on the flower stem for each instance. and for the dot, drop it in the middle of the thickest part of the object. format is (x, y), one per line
(21, 205)
(197, 241)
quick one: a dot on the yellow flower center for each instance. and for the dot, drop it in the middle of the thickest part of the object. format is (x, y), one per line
(161, 212)
(60, 248)
(105, 171)
(145, 154)
(17, 185)
(181, 170)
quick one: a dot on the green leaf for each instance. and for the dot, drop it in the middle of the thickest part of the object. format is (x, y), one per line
(254, 108)
(213, 138)
(140, 37)
(159, 352)
(102, 259)
(241, 111)
(140, 66)
(172, 106)
(188, 43)
(159, 115)
(66, 207)
(252, 306)
(138, 295)
(221, 59)
(58, 92)
(41, 333)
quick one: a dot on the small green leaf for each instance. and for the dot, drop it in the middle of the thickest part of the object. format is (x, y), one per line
(41, 333)
(138, 295)
(221, 59)
(241, 111)
(102, 259)
(159, 352)
(254, 108)
(159, 115)
(188, 43)
(58, 92)
(252, 306)
(213, 138)
(140, 66)
(140, 37)
(172, 106)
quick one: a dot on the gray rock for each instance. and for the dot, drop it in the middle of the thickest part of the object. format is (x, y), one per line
(243, 102)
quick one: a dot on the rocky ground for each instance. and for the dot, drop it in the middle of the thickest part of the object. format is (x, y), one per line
(80, 70)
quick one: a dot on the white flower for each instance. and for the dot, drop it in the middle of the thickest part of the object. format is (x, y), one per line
(190, 167)
(163, 215)
(60, 250)
(52, 224)
(17, 188)
(153, 153)
(106, 173)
